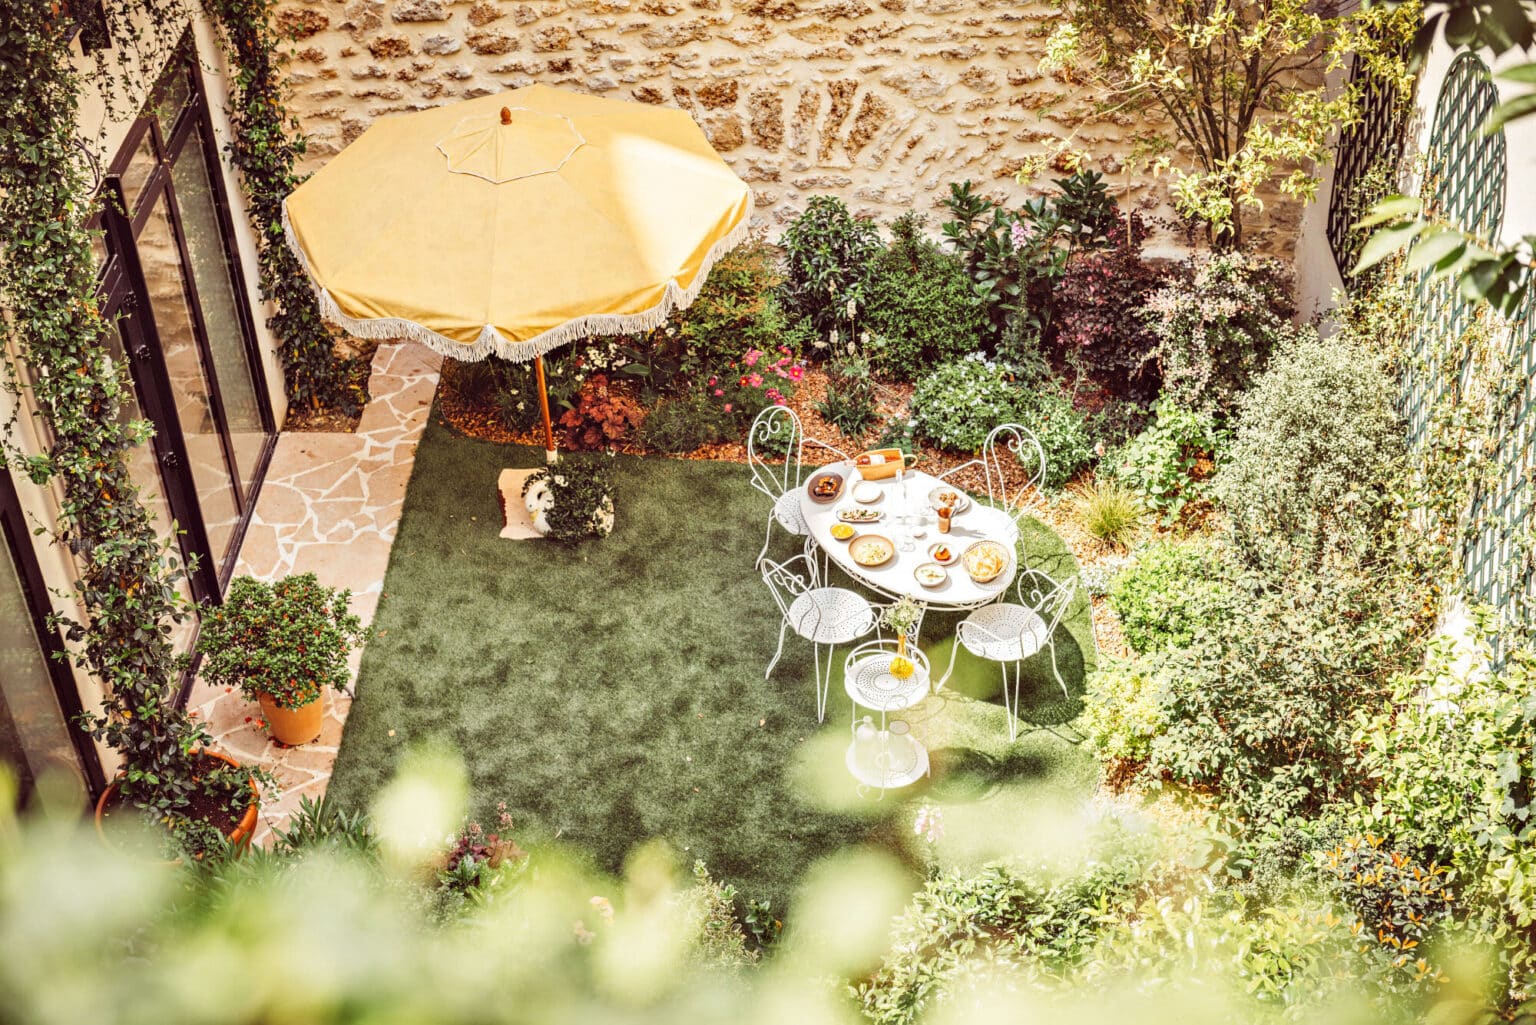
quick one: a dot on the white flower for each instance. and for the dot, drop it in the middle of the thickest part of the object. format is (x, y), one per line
(559, 480)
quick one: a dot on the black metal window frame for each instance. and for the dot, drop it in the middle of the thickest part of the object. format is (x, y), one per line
(124, 292)
(14, 532)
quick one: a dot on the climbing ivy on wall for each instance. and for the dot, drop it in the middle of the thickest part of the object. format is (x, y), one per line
(127, 577)
(267, 145)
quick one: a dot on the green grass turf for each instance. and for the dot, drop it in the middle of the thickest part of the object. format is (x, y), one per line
(614, 692)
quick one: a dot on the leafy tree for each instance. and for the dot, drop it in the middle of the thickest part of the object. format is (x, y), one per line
(1239, 84)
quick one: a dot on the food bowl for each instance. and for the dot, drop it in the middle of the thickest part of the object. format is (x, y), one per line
(931, 574)
(842, 532)
(985, 561)
(943, 554)
(944, 495)
(871, 550)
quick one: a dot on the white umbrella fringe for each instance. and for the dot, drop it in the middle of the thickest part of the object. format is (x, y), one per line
(491, 341)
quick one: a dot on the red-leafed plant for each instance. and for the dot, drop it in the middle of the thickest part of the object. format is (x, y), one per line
(1100, 329)
(603, 415)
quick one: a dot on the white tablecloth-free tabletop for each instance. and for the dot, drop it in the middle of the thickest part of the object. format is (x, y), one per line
(978, 522)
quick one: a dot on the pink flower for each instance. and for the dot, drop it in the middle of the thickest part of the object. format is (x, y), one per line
(796, 372)
(784, 349)
(755, 380)
(719, 392)
(781, 402)
(751, 358)
(776, 395)
(727, 407)
(712, 381)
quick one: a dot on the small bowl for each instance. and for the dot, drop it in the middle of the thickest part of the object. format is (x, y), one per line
(931, 575)
(843, 532)
(933, 553)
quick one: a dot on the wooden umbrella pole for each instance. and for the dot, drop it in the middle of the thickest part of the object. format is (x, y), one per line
(550, 455)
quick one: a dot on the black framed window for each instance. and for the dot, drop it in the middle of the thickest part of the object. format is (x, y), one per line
(172, 282)
(38, 699)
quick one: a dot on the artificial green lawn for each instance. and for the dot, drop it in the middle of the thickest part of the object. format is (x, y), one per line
(614, 692)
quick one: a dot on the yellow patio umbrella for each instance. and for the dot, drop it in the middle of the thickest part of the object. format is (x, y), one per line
(516, 222)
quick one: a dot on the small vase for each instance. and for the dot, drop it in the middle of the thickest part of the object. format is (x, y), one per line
(294, 726)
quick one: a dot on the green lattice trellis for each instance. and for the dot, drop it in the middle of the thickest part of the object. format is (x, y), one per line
(1464, 184)
(1501, 548)
(1464, 179)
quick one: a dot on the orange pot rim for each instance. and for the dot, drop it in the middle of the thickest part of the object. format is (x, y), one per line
(240, 835)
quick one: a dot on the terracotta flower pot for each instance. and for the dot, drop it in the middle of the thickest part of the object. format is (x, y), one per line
(294, 726)
(240, 836)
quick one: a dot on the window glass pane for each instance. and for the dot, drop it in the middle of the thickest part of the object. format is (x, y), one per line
(144, 468)
(211, 272)
(140, 166)
(34, 735)
(191, 387)
(171, 97)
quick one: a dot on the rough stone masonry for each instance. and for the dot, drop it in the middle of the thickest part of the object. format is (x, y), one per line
(881, 102)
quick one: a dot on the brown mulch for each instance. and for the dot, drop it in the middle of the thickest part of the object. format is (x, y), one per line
(320, 421)
(478, 420)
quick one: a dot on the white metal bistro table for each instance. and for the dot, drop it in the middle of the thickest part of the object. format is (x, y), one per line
(895, 579)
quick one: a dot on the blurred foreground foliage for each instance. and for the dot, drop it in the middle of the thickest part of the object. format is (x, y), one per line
(403, 916)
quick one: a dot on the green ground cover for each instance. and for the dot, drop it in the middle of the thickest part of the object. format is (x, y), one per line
(614, 693)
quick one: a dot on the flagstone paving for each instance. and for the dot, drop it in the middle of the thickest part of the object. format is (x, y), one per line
(329, 505)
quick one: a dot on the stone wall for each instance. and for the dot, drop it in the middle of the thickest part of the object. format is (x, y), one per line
(882, 102)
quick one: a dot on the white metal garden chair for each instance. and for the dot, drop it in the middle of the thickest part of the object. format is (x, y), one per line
(1009, 633)
(825, 616)
(778, 428)
(1008, 445)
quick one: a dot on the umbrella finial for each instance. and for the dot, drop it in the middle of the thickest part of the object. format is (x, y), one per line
(506, 115)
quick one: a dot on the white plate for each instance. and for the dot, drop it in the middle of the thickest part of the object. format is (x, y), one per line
(853, 514)
(867, 492)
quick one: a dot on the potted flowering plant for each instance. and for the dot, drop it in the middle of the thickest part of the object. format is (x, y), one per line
(901, 616)
(281, 643)
(573, 500)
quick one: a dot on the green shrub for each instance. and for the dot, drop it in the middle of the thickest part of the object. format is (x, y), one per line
(1168, 593)
(1217, 325)
(1061, 428)
(829, 256)
(1107, 510)
(1310, 475)
(920, 307)
(685, 423)
(850, 400)
(1451, 764)
(1261, 708)
(1170, 464)
(1025, 923)
(1124, 709)
(957, 405)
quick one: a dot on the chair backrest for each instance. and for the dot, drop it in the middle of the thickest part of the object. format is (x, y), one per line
(1007, 446)
(788, 580)
(1046, 595)
(775, 429)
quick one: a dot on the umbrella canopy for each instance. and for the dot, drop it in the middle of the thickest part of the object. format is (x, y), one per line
(516, 222)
